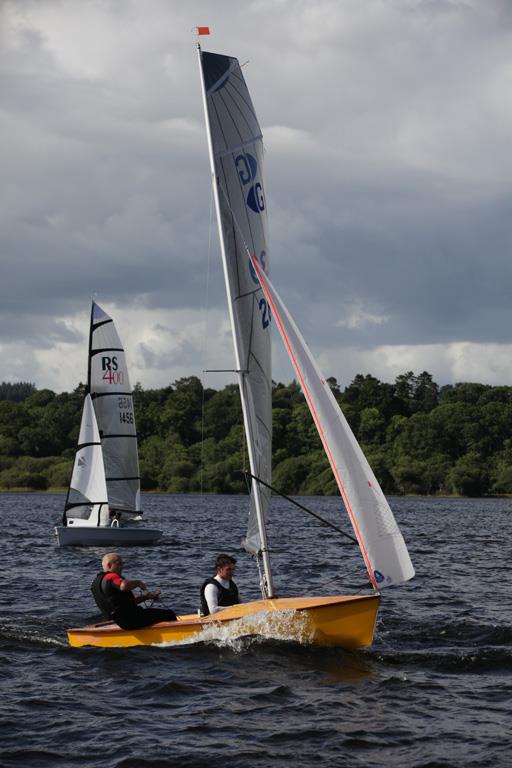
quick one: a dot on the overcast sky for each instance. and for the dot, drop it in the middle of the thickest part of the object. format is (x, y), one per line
(387, 126)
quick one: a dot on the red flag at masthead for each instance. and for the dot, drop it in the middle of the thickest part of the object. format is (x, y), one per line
(203, 30)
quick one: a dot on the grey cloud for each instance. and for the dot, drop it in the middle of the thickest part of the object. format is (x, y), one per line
(388, 166)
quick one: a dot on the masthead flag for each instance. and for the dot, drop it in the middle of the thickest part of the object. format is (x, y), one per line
(203, 30)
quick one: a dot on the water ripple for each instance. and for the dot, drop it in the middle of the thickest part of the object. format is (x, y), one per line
(434, 691)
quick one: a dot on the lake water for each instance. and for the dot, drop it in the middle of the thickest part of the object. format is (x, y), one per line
(435, 689)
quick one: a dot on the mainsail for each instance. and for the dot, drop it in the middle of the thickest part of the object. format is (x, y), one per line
(111, 394)
(381, 543)
(236, 156)
(87, 495)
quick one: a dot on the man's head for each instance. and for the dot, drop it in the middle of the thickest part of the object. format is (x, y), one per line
(225, 566)
(112, 562)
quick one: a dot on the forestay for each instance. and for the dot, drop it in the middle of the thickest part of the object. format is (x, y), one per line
(379, 537)
(236, 154)
(87, 495)
(111, 394)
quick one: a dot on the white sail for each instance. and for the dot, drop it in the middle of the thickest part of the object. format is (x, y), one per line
(87, 502)
(382, 545)
(109, 386)
(236, 155)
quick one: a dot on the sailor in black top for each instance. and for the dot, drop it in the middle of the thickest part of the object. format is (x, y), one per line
(221, 591)
(115, 599)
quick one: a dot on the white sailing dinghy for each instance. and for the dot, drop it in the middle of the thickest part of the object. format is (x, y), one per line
(103, 500)
(236, 157)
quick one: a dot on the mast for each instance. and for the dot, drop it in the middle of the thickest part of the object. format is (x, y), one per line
(267, 588)
(89, 352)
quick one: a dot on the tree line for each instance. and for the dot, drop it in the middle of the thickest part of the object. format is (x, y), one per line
(419, 438)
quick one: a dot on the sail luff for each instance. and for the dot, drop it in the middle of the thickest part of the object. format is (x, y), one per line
(89, 350)
(218, 212)
(381, 543)
(248, 417)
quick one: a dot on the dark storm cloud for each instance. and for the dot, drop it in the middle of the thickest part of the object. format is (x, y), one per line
(438, 269)
(387, 129)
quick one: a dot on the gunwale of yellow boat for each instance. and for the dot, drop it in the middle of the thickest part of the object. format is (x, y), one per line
(345, 621)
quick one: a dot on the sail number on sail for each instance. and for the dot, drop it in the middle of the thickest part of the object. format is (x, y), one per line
(266, 316)
(126, 410)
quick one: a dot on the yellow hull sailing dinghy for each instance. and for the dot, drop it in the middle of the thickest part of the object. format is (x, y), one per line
(345, 621)
(236, 157)
(103, 499)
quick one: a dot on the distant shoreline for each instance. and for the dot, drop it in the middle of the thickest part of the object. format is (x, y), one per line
(299, 495)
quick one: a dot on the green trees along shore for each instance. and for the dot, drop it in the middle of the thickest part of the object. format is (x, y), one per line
(418, 438)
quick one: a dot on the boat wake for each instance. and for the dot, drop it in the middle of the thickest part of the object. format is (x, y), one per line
(29, 637)
(287, 625)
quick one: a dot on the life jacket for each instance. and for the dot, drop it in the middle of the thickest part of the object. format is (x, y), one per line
(109, 599)
(226, 596)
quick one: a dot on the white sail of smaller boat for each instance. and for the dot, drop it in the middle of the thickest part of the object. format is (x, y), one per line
(109, 386)
(87, 501)
(110, 416)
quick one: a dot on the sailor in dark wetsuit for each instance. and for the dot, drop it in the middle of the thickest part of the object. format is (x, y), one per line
(115, 599)
(220, 591)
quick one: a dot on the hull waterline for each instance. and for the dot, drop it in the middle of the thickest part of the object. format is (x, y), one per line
(347, 622)
(83, 536)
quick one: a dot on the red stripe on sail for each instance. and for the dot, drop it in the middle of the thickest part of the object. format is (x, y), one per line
(317, 422)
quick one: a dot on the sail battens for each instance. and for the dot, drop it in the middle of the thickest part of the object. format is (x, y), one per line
(95, 326)
(239, 118)
(243, 100)
(249, 293)
(220, 82)
(84, 445)
(110, 394)
(121, 479)
(107, 349)
(247, 143)
(86, 502)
